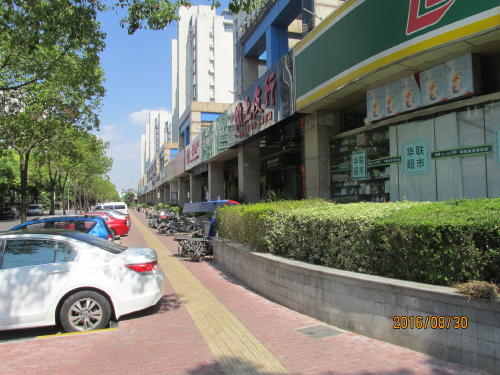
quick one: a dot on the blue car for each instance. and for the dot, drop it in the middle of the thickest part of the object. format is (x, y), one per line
(93, 225)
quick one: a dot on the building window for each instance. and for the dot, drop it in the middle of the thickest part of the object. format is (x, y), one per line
(228, 27)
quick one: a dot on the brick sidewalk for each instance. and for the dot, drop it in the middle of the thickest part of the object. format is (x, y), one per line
(175, 338)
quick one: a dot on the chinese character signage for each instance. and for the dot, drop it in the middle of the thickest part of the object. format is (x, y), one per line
(220, 133)
(179, 163)
(193, 153)
(463, 151)
(268, 101)
(416, 157)
(207, 143)
(358, 165)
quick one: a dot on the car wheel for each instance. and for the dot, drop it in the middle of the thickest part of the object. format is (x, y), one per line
(113, 234)
(85, 311)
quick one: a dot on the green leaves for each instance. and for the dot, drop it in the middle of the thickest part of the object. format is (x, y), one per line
(438, 243)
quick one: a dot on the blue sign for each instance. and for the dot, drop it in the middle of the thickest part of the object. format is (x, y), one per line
(358, 169)
(416, 157)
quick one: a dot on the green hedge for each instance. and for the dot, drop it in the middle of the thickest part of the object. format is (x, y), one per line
(439, 243)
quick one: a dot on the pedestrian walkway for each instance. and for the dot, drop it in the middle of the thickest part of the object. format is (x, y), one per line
(209, 323)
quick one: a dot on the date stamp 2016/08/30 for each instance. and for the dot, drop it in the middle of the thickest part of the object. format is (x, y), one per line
(430, 321)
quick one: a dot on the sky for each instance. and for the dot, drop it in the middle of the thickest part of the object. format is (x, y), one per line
(137, 72)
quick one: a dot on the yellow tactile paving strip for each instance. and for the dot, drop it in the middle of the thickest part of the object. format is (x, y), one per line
(235, 348)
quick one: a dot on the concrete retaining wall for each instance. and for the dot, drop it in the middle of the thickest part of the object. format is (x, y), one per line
(367, 304)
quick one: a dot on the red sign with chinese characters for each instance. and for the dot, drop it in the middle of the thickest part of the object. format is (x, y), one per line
(193, 153)
(250, 114)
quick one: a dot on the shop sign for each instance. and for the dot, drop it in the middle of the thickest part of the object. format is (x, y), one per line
(267, 102)
(220, 133)
(396, 97)
(207, 143)
(358, 162)
(462, 151)
(371, 41)
(179, 166)
(193, 153)
(448, 81)
(341, 167)
(416, 157)
(169, 170)
(384, 161)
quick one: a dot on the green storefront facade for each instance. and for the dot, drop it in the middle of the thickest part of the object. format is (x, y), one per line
(413, 89)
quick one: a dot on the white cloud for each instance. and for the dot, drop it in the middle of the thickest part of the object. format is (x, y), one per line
(141, 117)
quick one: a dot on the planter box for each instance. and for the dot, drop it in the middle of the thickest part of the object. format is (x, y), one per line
(369, 304)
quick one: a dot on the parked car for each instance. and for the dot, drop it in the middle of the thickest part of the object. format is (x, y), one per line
(74, 279)
(118, 226)
(35, 209)
(93, 225)
(116, 214)
(121, 207)
(9, 212)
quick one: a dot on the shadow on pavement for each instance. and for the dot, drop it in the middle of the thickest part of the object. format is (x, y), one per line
(166, 303)
(234, 365)
(27, 333)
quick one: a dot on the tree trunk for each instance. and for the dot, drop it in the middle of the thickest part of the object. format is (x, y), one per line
(52, 200)
(24, 158)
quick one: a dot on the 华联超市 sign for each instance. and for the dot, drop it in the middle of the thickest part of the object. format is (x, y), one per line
(462, 151)
(365, 35)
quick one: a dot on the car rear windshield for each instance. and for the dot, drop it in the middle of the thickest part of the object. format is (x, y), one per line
(35, 206)
(108, 246)
(119, 207)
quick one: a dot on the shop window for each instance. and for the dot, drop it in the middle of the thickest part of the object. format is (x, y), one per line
(375, 185)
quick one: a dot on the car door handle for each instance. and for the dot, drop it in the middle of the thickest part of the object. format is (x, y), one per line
(56, 272)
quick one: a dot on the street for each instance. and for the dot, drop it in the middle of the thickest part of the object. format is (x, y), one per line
(208, 323)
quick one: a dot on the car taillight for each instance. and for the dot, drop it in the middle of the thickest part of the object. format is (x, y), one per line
(143, 267)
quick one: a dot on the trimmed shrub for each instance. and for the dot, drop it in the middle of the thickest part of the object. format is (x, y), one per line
(440, 243)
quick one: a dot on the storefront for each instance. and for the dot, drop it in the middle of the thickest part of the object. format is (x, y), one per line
(412, 107)
(282, 161)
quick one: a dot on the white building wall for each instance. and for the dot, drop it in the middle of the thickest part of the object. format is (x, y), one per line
(175, 94)
(224, 63)
(203, 56)
(143, 153)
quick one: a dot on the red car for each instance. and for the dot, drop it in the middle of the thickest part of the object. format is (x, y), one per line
(119, 226)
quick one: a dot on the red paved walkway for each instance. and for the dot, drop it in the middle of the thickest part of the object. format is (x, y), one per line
(166, 341)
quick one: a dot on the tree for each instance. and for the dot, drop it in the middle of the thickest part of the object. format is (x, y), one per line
(129, 198)
(40, 114)
(36, 36)
(9, 177)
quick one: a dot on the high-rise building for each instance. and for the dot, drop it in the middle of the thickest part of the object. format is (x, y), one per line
(202, 63)
(158, 130)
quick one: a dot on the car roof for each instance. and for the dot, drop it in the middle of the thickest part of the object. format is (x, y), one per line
(59, 218)
(56, 234)
(47, 231)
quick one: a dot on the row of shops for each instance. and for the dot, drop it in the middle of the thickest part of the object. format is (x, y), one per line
(383, 101)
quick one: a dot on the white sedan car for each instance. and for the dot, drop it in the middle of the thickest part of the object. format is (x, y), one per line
(73, 279)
